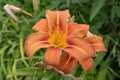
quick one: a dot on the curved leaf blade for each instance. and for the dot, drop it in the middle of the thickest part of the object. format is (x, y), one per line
(97, 5)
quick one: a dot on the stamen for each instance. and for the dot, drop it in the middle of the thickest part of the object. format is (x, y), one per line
(58, 39)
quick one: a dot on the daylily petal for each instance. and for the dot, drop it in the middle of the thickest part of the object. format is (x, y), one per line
(63, 19)
(52, 56)
(67, 63)
(52, 20)
(41, 26)
(57, 19)
(87, 64)
(83, 44)
(34, 42)
(84, 30)
(73, 28)
(76, 52)
(97, 43)
(35, 47)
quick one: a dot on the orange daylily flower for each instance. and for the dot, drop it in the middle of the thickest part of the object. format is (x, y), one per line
(67, 42)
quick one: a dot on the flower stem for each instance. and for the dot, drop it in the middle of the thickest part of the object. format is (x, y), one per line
(22, 53)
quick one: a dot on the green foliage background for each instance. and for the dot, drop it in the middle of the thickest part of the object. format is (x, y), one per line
(103, 17)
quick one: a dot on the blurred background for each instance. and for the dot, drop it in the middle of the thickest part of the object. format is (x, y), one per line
(103, 16)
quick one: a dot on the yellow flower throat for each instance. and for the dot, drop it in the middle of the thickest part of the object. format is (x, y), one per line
(58, 39)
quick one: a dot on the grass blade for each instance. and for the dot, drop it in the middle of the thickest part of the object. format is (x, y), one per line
(97, 5)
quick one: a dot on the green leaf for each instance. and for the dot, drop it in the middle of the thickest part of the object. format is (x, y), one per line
(111, 76)
(97, 5)
(117, 9)
(84, 1)
(2, 50)
(68, 3)
(94, 28)
(14, 25)
(99, 58)
(48, 76)
(1, 74)
(102, 74)
(113, 13)
(118, 59)
(25, 72)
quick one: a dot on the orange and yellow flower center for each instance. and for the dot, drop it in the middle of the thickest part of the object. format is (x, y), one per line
(58, 39)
